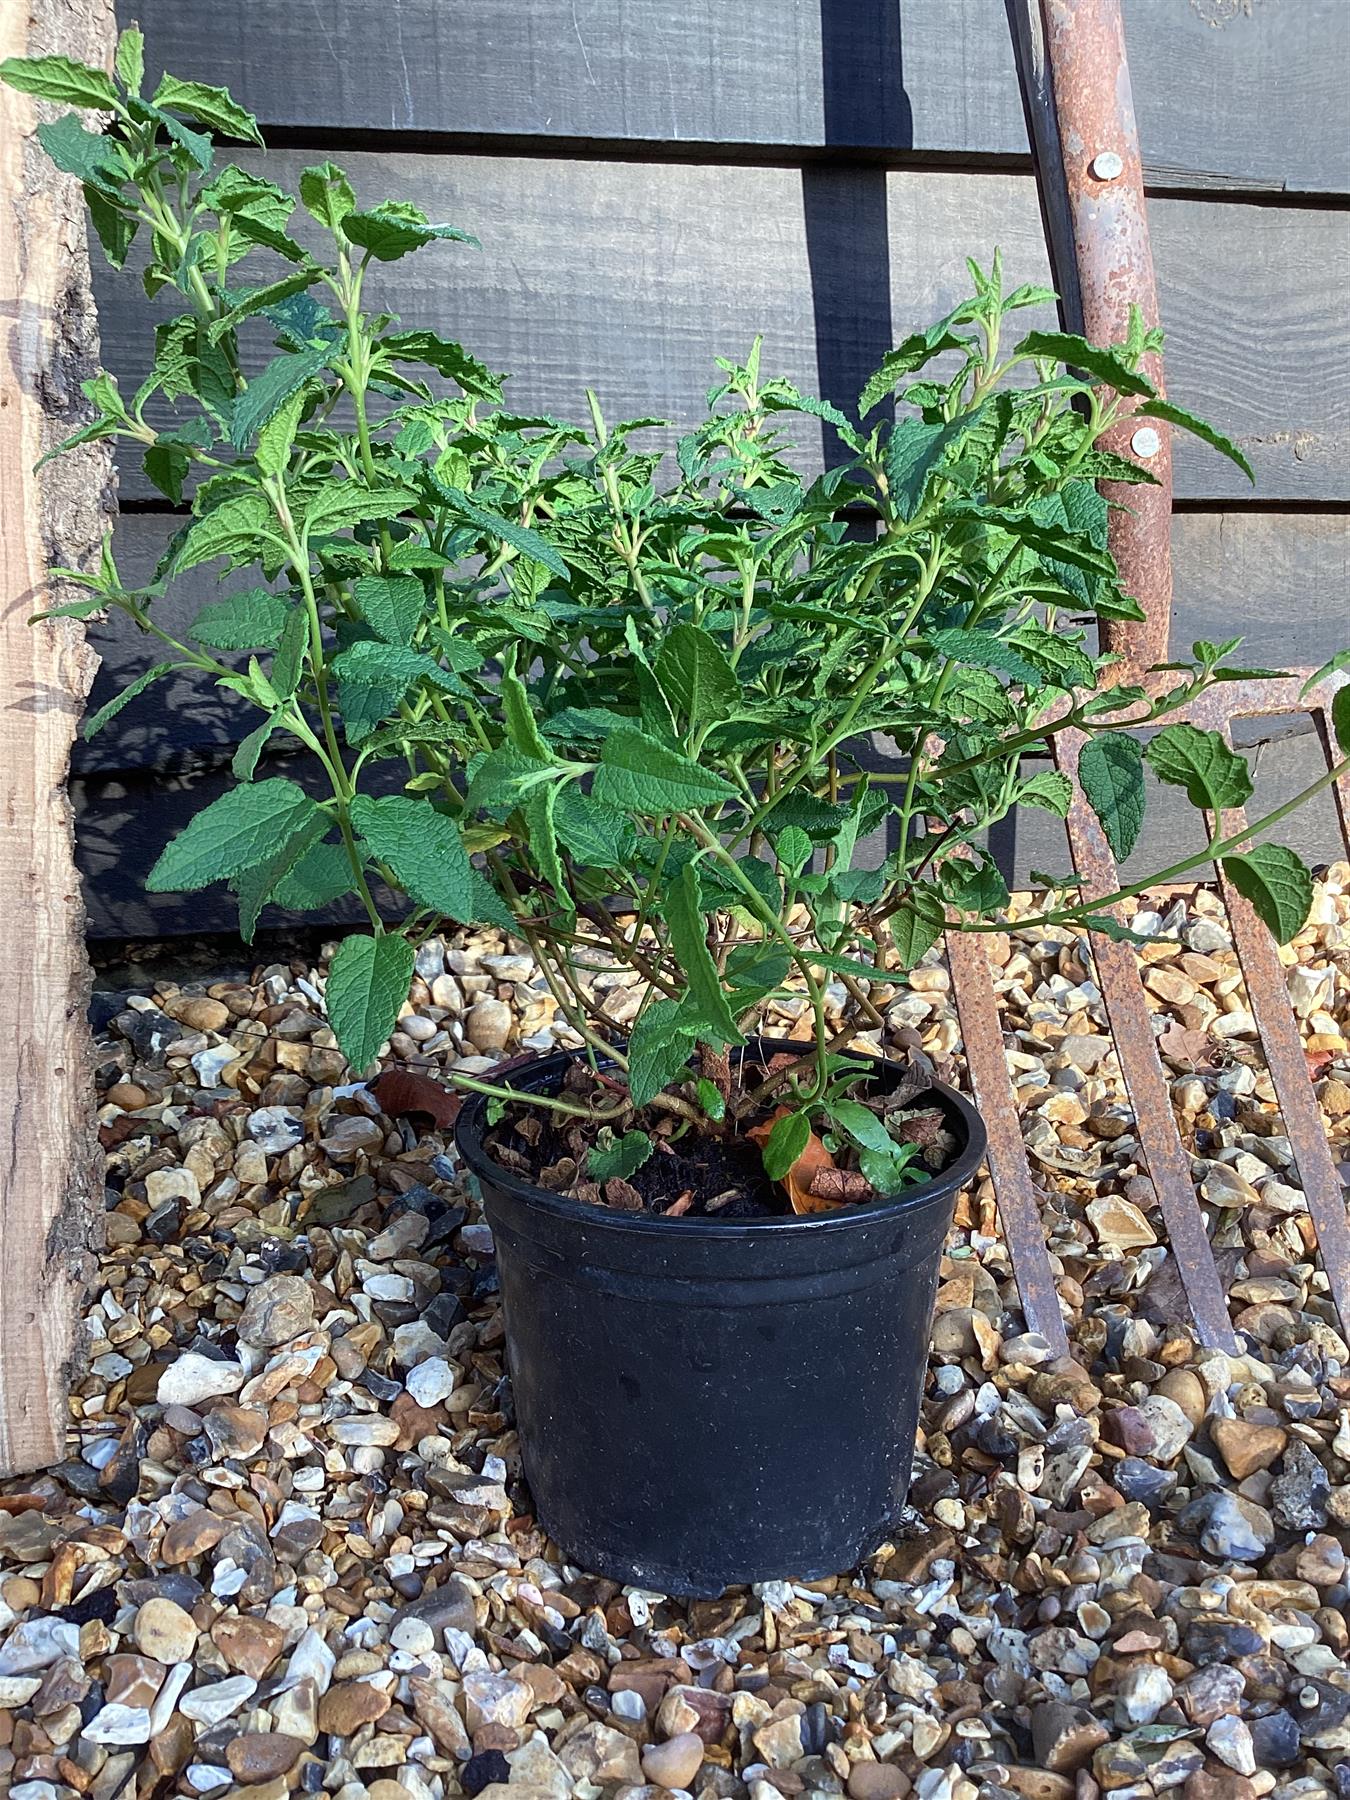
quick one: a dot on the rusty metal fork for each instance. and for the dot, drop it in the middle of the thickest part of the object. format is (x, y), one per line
(1080, 116)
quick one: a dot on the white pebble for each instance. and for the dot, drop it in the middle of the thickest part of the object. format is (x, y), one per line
(431, 1381)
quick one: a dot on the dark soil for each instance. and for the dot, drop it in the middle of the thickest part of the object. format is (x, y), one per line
(723, 1177)
(695, 1170)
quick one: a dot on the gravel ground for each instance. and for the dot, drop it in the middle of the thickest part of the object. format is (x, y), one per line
(290, 1549)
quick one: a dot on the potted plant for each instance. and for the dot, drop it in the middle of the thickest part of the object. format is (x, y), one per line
(556, 678)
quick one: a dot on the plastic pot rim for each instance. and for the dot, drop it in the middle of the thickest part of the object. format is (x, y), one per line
(471, 1127)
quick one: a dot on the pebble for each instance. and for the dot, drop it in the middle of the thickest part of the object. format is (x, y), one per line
(1246, 1447)
(1121, 1571)
(192, 1378)
(162, 1630)
(431, 1381)
(217, 1700)
(676, 1762)
(276, 1311)
(489, 1024)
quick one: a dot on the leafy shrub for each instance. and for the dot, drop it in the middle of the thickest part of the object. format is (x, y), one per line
(539, 665)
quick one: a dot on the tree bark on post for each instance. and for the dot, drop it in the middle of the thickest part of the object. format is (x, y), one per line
(50, 1167)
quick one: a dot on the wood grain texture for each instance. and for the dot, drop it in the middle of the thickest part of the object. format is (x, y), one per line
(1230, 94)
(633, 278)
(50, 1167)
(1280, 580)
(125, 821)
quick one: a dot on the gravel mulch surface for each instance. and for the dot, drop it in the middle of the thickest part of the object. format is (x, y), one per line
(290, 1550)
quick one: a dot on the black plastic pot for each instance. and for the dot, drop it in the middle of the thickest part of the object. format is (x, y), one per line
(705, 1403)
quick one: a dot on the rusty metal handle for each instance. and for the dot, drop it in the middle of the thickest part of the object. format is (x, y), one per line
(1075, 83)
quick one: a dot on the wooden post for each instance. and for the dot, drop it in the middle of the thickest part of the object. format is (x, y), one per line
(50, 1173)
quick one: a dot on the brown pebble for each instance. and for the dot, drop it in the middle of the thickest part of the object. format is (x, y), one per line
(127, 1095)
(877, 1781)
(256, 1756)
(351, 1704)
(1246, 1447)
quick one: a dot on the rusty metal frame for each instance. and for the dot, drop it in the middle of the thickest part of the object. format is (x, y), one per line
(1075, 84)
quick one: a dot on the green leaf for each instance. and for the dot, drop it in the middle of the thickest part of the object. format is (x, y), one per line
(233, 833)
(58, 78)
(424, 850)
(1340, 717)
(1187, 421)
(391, 605)
(540, 808)
(130, 58)
(594, 835)
(519, 537)
(446, 358)
(327, 194)
(982, 650)
(322, 875)
(793, 848)
(166, 466)
(373, 677)
(392, 230)
(284, 375)
(197, 145)
(914, 452)
(248, 621)
(695, 675)
(638, 774)
(881, 1159)
(116, 232)
(688, 939)
(918, 923)
(1111, 775)
(347, 503)
(658, 1049)
(259, 299)
(245, 759)
(235, 529)
(518, 715)
(974, 887)
(1277, 884)
(288, 665)
(213, 107)
(908, 357)
(79, 152)
(255, 885)
(1102, 364)
(95, 724)
(1049, 790)
(622, 1157)
(1213, 775)
(710, 1099)
(785, 1143)
(368, 983)
(259, 209)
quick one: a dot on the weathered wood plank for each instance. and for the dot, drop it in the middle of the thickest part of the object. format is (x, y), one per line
(1228, 95)
(50, 1166)
(124, 823)
(633, 278)
(1280, 580)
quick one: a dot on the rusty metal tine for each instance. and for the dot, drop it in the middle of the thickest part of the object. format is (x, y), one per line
(1168, 1164)
(1303, 1122)
(982, 1036)
(1075, 82)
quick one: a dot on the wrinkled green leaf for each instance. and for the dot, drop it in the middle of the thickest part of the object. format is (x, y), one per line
(368, 983)
(232, 834)
(1111, 774)
(1278, 885)
(1213, 775)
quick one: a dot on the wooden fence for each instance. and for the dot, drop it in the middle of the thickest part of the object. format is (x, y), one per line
(655, 184)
